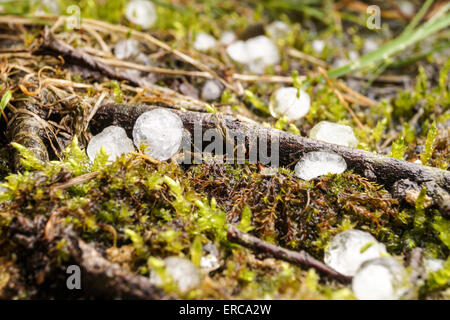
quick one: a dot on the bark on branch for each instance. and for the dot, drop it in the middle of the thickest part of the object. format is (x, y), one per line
(25, 128)
(384, 169)
(37, 242)
(51, 46)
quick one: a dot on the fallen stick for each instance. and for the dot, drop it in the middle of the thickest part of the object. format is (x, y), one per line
(100, 278)
(25, 128)
(300, 258)
(105, 279)
(383, 169)
(51, 46)
(147, 37)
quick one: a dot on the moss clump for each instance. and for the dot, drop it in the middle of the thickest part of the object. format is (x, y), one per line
(164, 210)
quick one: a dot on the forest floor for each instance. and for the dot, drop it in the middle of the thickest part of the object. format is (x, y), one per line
(119, 220)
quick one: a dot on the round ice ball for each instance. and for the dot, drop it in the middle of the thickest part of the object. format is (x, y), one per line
(212, 90)
(380, 279)
(334, 133)
(126, 48)
(141, 13)
(278, 30)
(115, 141)
(161, 130)
(183, 272)
(204, 42)
(262, 52)
(349, 249)
(284, 102)
(238, 52)
(318, 163)
(227, 38)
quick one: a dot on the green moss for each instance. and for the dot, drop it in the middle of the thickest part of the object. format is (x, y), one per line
(398, 149)
(440, 279)
(168, 210)
(431, 136)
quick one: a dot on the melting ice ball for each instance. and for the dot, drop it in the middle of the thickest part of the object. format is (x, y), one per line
(284, 102)
(2, 188)
(407, 7)
(262, 52)
(46, 6)
(115, 141)
(182, 271)
(319, 163)
(278, 29)
(212, 90)
(141, 13)
(238, 52)
(162, 132)
(204, 42)
(370, 44)
(433, 265)
(126, 49)
(227, 38)
(318, 45)
(349, 249)
(210, 261)
(334, 133)
(380, 279)
(257, 53)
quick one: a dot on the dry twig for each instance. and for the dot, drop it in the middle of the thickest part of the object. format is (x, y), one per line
(300, 258)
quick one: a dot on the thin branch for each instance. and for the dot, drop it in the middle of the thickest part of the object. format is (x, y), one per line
(75, 181)
(52, 46)
(341, 98)
(160, 44)
(299, 258)
(303, 56)
(101, 278)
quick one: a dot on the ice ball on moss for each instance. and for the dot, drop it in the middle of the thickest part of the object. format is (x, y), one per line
(141, 13)
(334, 133)
(262, 52)
(349, 249)
(370, 44)
(318, 163)
(433, 265)
(257, 53)
(227, 38)
(126, 49)
(286, 102)
(278, 30)
(318, 45)
(380, 279)
(212, 90)
(46, 6)
(238, 52)
(162, 132)
(114, 140)
(406, 7)
(185, 274)
(204, 42)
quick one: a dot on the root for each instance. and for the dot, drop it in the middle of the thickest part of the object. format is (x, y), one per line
(39, 250)
(383, 169)
(300, 258)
